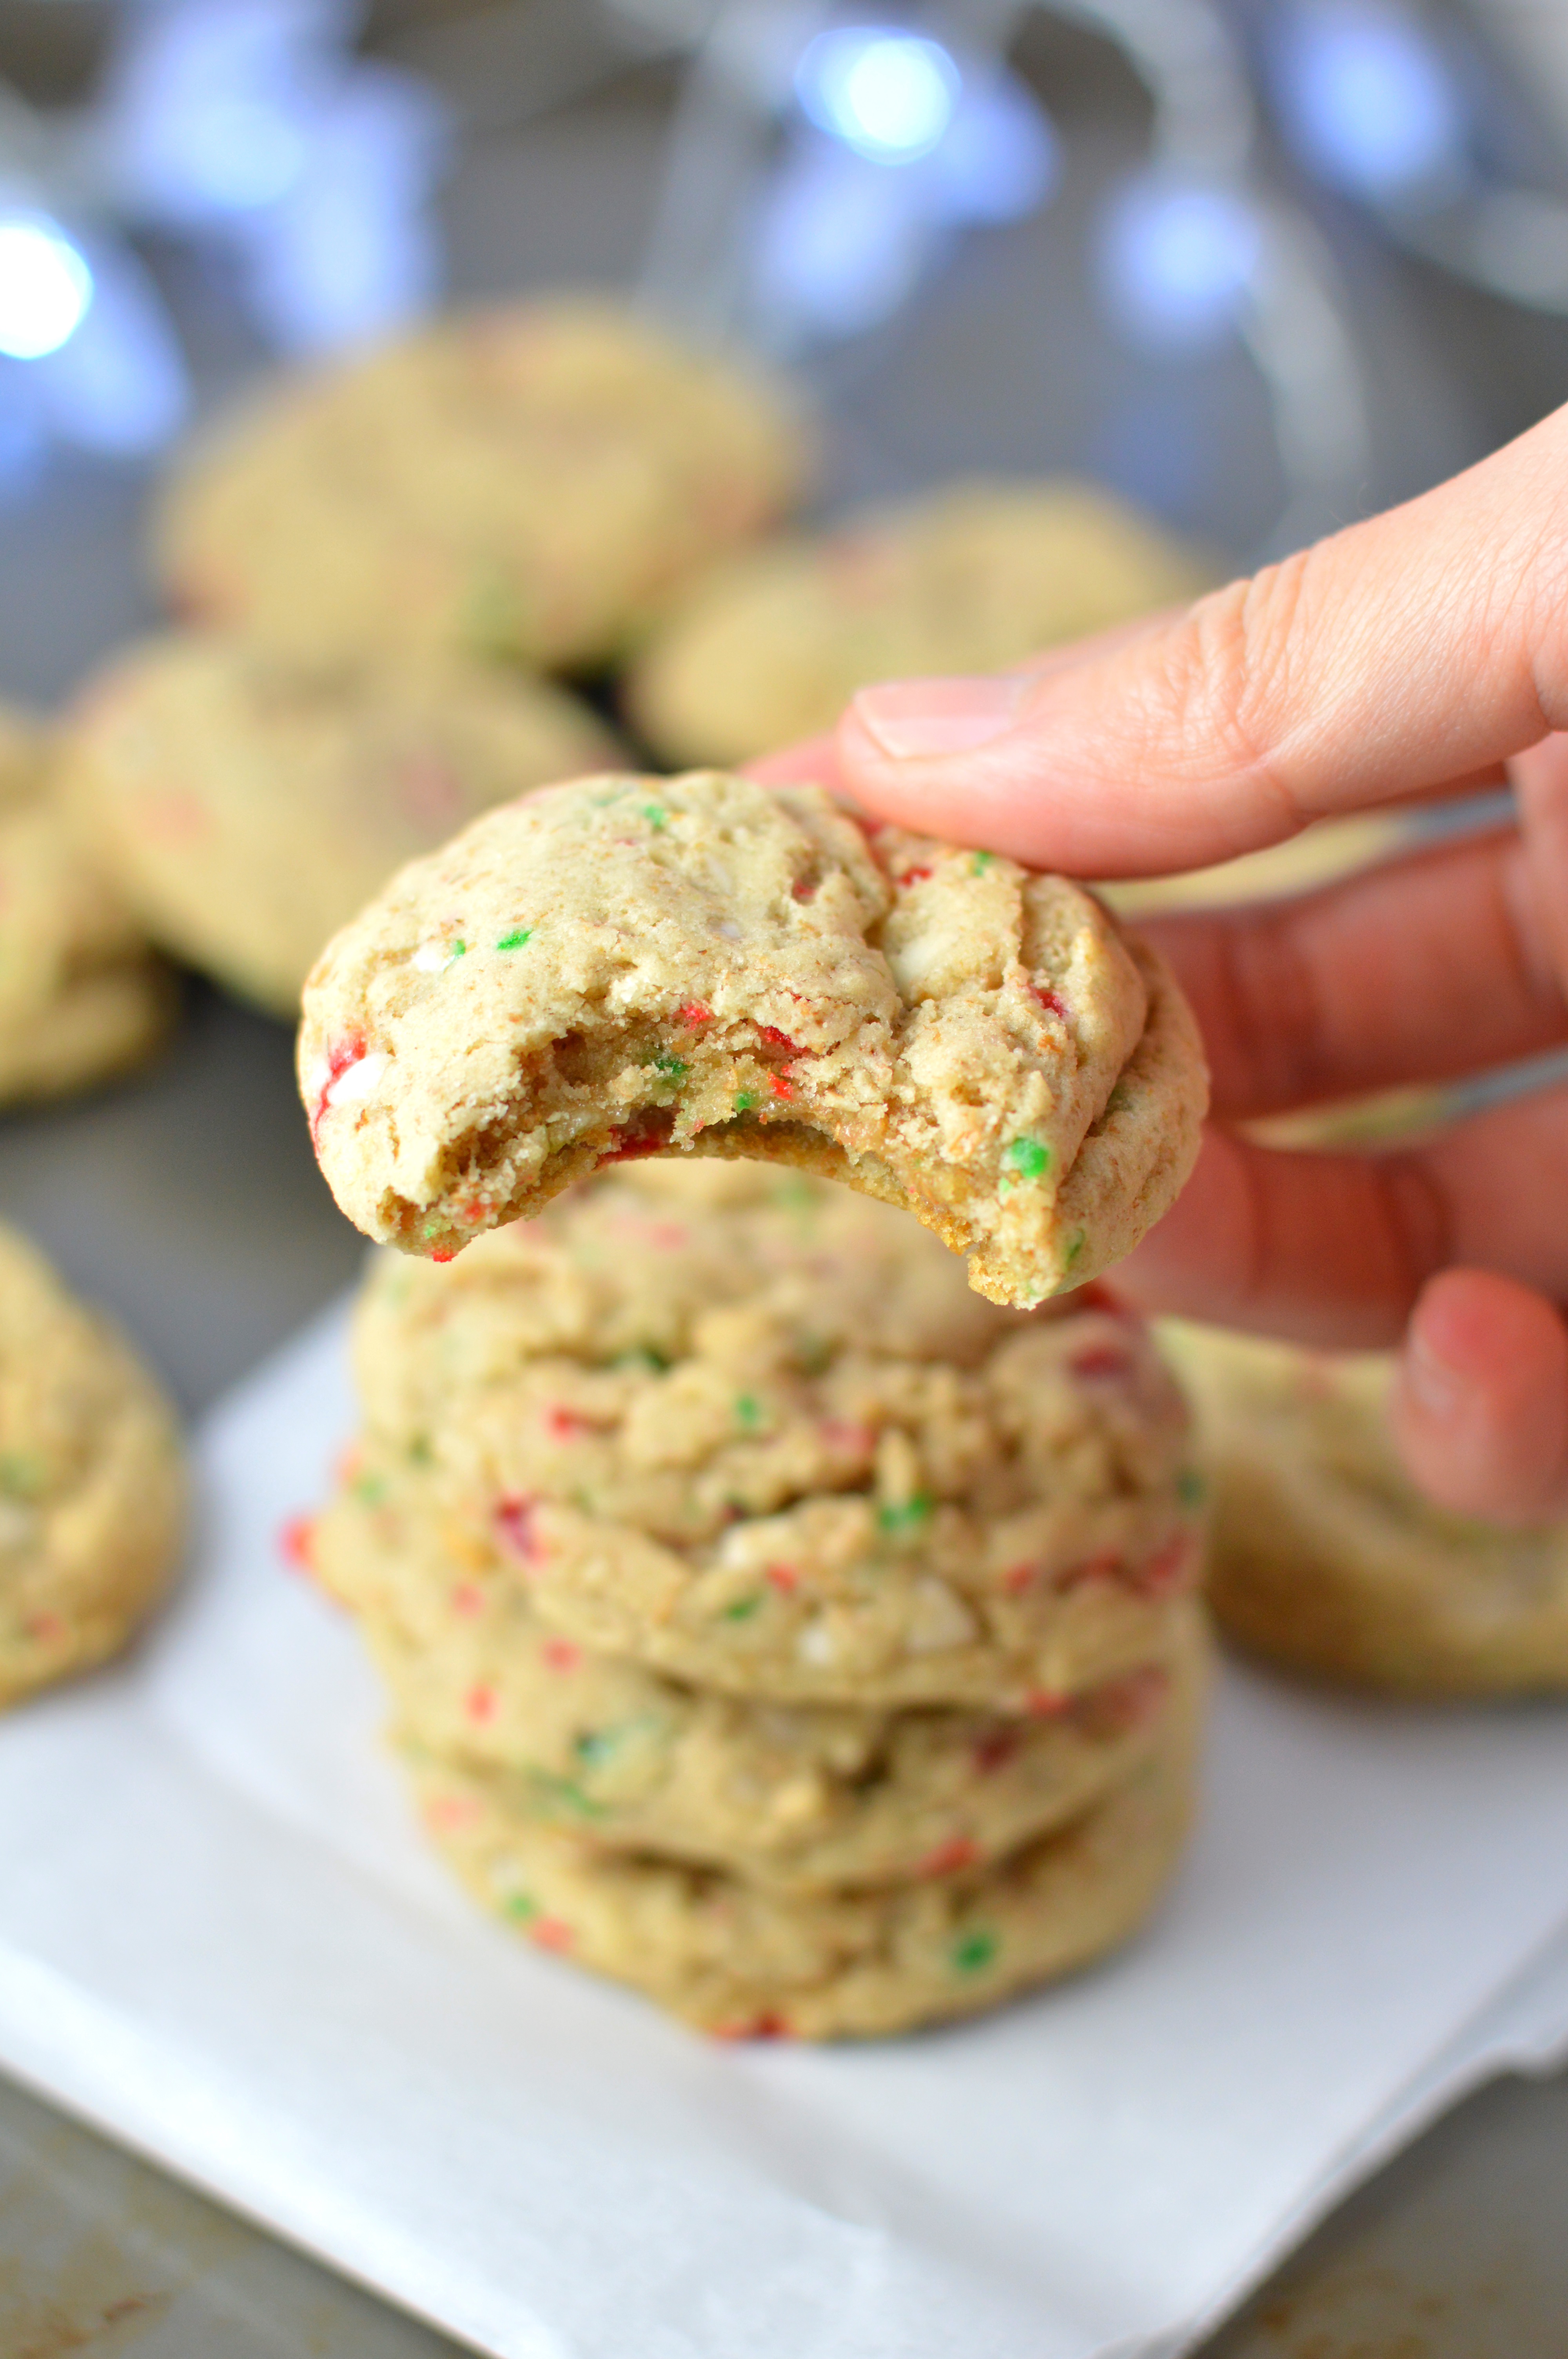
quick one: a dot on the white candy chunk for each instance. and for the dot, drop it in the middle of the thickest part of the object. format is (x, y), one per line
(817, 1644)
(359, 1081)
(432, 957)
(939, 1619)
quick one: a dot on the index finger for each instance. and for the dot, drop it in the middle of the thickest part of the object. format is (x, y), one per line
(1386, 662)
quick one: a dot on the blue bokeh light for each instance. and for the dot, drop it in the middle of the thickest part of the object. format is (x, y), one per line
(1176, 259)
(1368, 101)
(45, 285)
(888, 95)
(838, 248)
(999, 159)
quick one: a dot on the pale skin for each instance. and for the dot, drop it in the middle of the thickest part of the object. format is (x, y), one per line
(1417, 657)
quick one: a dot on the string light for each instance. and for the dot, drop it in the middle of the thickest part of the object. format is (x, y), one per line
(45, 285)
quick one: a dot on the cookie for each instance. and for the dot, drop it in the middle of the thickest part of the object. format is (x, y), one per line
(750, 1431)
(771, 645)
(801, 1798)
(81, 995)
(246, 806)
(623, 966)
(1327, 1559)
(92, 1486)
(1321, 855)
(532, 480)
(741, 1960)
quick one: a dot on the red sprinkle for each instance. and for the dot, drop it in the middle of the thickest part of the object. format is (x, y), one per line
(340, 1057)
(560, 1654)
(1043, 1703)
(296, 1539)
(1101, 1360)
(1163, 1572)
(1126, 1702)
(1107, 1565)
(996, 1750)
(514, 1523)
(1051, 1002)
(566, 1425)
(694, 1015)
(46, 1628)
(777, 1039)
(949, 1857)
(448, 1811)
(916, 875)
(447, 1253)
(468, 1598)
(631, 1146)
(803, 888)
(1018, 1578)
(550, 1933)
(760, 2027)
(780, 1087)
(839, 1433)
(783, 1576)
(480, 1703)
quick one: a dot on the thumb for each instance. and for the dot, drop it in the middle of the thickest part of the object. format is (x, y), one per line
(1403, 655)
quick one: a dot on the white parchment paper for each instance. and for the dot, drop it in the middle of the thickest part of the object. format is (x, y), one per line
(221, 1939)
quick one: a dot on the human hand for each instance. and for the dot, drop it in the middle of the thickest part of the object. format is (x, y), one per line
(1421, 656)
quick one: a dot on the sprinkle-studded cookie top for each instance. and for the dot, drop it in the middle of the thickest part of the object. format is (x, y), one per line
(627, 966)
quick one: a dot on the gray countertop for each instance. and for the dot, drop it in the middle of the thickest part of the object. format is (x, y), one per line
(188, 1198)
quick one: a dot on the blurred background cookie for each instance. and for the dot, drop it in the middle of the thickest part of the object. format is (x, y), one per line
(92, 1486)
(81, 995)
(979, 577)
(532, 480)
(1325, 1557)
(246, 804)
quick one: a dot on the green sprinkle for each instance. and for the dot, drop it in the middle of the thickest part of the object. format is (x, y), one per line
(907, 1515)
(516, 940)
(980, 862)
(521, 1905)
(495, 613)
(371, 1489)
(596, 1745)
(564, 1789)
(656, 816)
(973, 1951)
(1191, 1488)
(459, 950)
(675, 1069)
(743, 1609)
(1027, 1158)
(642, 1355)
(749, 1409)
(1076, 1244)
(745, 1100)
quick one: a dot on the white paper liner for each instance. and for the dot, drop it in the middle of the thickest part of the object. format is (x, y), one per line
(221, 1938)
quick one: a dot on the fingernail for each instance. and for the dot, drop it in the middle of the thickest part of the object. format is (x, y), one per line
(910, 718)
(1432, 1384)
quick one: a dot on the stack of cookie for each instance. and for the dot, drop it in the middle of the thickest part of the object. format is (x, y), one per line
(771, 1622)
